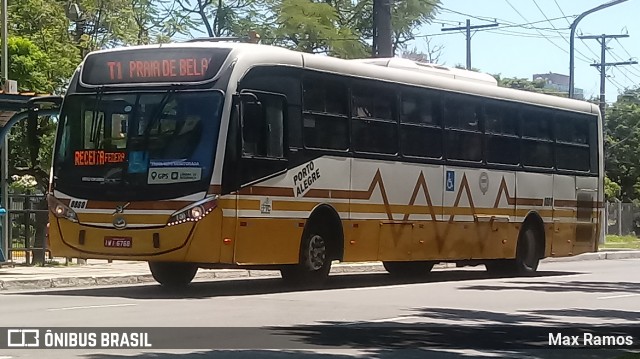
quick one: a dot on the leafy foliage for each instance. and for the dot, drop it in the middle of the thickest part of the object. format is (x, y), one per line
(342, 28)
(527, 85)
(611, 188)
(28, 65)
(622, 144)
(432, 55)
(43, 22)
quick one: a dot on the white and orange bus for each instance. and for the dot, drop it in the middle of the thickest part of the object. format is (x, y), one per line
(230, 155)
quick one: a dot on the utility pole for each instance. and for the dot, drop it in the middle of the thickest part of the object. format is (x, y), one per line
(602, 66)
(468, 29)
(382, 33)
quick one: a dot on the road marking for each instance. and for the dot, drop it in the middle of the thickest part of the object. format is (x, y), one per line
(620, 296)
(6, 357)
(93, 306)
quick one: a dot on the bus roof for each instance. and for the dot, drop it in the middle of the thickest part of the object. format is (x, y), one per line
(433, 69)
(392, 70)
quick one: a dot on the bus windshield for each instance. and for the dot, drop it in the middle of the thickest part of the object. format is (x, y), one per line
(137, 146)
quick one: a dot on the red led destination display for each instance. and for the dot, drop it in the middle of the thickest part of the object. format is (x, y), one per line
(97, 157)
(186, 65)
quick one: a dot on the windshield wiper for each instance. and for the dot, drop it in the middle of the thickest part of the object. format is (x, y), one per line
(157, 113)
(141, 143)
(95, 127)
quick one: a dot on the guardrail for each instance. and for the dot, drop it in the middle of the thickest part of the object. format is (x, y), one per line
(28, 219)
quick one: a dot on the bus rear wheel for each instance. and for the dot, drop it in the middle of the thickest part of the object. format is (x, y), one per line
(408, 269)
(527, 256)
(314, 265)
(173, 274)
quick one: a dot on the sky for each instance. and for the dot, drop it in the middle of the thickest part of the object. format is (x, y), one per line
(542, 47)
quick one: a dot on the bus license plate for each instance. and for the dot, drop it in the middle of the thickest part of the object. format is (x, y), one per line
(117, 242)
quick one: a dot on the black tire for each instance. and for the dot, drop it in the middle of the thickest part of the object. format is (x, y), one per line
(173, 274)
(314, 263)
(527, 253)
(408, 269)
(527, 256)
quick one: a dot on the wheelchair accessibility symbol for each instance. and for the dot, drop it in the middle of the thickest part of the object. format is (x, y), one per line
(451, 181)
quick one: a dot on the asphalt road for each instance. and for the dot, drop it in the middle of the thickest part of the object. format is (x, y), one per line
(363, 315)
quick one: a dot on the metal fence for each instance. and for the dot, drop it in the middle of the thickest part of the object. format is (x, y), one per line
(27, 220)
(622, 219)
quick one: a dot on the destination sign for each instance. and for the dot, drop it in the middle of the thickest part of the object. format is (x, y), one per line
(97, 157)
(158, 65)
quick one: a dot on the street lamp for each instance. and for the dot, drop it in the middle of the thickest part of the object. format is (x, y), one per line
(571, 42)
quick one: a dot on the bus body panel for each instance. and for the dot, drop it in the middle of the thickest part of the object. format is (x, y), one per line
(390, 209)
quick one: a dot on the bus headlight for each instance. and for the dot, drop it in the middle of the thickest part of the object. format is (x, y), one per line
(194, 212)
(61, 210)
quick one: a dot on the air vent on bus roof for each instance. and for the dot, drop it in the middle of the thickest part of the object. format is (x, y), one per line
(433, 69)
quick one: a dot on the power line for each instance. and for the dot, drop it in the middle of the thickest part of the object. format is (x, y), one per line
(617, 58)
(564, 38)
(625, 50)
(521, 34)
(562, 12)
(487, 19)
(468, 29)
(569, 23)
(551, 41)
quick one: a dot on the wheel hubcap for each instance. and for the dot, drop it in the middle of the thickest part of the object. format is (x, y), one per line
(317, 252)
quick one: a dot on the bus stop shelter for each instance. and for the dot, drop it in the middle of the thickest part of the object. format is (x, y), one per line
(15, 108)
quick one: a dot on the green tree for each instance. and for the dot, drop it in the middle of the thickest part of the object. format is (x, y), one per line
(611, 189)
(28, 65)
(157, 21)
(30, 152)
(44, 23)
(432, 54)
(622, 144)
(527, 85)
(342, 28)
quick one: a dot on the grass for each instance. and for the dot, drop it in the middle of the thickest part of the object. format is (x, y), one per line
(629, 242)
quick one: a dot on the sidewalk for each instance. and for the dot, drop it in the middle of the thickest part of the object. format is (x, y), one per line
(99, 272)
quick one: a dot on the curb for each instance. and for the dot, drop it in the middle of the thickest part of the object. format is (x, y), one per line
(618, 254)
(127, 279)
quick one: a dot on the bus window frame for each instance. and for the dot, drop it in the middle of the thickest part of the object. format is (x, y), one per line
(285, 127)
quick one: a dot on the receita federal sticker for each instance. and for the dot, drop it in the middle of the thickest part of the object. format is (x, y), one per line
(165, 175)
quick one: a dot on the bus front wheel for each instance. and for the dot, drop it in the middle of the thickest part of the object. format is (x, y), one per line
(408, 269)
(314, 264)
(173, 274)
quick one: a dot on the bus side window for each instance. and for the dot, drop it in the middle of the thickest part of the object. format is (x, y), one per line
(263, 126)
(325, 113)
(502, 144)
(281, 80)
(537, 141)
(420, 123)
(373, 125)
(572, 142)
(462, 116)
